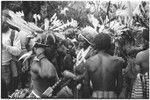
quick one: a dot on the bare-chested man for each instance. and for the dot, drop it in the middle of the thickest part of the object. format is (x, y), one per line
(43, 72)
(142, 59)
(103, 70)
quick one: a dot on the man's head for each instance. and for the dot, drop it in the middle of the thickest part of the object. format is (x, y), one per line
(102, 42)
(86, 36)
(4, 25)
(45, 44)
(82, 42)
(146, 34)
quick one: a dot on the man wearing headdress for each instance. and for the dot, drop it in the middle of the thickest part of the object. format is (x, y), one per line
(141, 85)
(43, 72)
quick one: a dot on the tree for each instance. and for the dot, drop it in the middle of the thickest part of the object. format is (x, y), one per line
(12, 5)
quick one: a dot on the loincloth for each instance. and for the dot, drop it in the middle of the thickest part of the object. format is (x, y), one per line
(104, 94)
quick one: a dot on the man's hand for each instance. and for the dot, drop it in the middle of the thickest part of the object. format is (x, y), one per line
(68, 74)
(77, 78)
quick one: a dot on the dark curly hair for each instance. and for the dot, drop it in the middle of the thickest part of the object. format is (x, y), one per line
(102, 41)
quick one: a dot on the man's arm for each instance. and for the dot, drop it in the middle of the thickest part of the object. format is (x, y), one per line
(138, 58)
(86, 84)
(138, 61)
(16, 48)
(84, 77)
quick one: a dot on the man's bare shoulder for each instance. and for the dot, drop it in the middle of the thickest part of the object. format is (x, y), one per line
(93, 62)
(145, 52)
(98, 57)
(93, 58)
(47, 63)
(141, 55)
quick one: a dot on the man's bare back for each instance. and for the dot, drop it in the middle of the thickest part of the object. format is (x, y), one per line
(104, 71)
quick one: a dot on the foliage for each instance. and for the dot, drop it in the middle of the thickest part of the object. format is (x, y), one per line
(30, 8)
(51, 7)
(78, 12)
(141, 14)
(113, 17)
(12, 5)
(66, 17)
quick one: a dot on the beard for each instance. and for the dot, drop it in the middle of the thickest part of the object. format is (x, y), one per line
(4, 27)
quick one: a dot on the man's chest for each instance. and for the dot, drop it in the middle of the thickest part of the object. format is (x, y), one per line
(35, 66)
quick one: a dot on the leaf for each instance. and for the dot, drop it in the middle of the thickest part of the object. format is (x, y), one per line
(60, 35)
(34, 27)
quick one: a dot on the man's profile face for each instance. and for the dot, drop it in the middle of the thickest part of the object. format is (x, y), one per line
(82, 41)
(82, 44)
(4, 27)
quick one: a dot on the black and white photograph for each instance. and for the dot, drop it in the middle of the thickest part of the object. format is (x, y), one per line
(87, 49)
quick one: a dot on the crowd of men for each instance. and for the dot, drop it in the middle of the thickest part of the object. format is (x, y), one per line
(86, 69)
